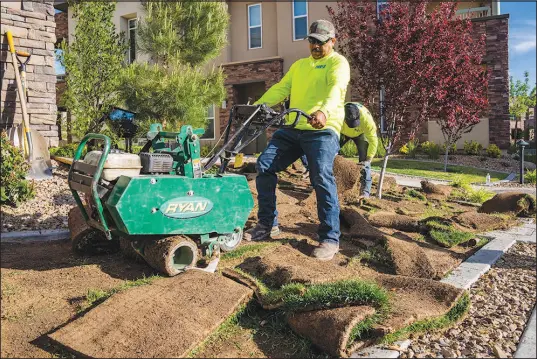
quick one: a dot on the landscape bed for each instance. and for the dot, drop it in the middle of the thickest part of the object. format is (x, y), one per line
(382, 286)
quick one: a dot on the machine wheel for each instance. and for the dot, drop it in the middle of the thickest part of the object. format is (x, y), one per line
(172, 255)
(92, 242)
(86, 240)
(233, 240)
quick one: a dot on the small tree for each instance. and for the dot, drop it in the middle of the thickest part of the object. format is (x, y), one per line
(178, 87)
(521, 97)
(93, 62)
(460, 92)
(393, 53)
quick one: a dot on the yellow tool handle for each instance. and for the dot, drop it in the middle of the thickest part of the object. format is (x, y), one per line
(10, 42)
(23, 53)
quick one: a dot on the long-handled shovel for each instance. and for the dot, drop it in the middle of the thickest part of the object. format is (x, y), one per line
(38, 167)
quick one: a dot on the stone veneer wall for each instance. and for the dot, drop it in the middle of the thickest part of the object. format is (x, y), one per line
(33, 27)
(496, 30)
(269, 71)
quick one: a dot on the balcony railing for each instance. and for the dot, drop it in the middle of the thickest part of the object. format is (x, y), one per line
(474, 12)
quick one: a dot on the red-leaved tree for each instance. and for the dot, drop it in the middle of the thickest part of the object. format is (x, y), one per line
(460, 95)
(403, 53)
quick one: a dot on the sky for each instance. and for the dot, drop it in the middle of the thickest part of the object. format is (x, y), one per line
(522, 53)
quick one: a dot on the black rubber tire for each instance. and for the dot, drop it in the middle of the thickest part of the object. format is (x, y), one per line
(86, 240)
(93, 242)
(161, 254)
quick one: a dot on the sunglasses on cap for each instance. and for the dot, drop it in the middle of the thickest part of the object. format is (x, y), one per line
(314, 41)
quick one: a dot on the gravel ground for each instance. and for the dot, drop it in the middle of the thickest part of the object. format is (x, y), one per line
(502, 302)
(48, 210)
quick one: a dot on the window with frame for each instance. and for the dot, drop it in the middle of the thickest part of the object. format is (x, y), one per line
(300, 20)
(210, 130)
(132, 25)
(255, 32)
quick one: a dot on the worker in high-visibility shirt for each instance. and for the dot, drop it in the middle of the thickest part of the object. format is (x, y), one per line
(316, 85)
(360, 127)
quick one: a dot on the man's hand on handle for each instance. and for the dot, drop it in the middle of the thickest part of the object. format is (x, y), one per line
(318, 120)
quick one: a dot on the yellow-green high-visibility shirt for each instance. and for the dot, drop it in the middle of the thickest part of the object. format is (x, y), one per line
(314, 85)
(367, 127)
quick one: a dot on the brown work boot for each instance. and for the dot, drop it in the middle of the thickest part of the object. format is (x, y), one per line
(325, 251)
(261, 232)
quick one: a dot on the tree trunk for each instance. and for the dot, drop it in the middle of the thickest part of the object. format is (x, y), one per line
(69, 127)
(59, 124)
(381, 179)
(446, 156)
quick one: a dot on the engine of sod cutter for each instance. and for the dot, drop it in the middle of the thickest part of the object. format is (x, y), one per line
(162, 204)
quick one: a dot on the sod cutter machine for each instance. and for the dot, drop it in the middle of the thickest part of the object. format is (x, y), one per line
(161, 204)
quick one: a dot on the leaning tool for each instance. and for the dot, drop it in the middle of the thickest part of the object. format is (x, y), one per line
(39, 169)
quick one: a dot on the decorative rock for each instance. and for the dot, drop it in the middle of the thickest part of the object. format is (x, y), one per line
(498, 352)
(502, 303)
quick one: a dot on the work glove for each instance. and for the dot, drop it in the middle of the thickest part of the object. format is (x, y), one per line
(367, 162)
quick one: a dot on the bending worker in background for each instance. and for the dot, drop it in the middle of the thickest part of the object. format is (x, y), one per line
(360, 127)
(316, 85)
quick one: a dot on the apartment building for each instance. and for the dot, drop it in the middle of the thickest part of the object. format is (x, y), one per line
(265, 38)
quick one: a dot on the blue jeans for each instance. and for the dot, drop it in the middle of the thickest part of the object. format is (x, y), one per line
(365, 173)
(285, 147)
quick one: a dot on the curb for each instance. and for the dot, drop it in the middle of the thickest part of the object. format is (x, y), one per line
(465, 275)
(526, 346)
(44, 235)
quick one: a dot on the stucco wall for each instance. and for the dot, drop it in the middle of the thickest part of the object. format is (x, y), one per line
(479, 133)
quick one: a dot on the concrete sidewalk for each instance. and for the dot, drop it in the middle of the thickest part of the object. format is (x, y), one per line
(413, 181)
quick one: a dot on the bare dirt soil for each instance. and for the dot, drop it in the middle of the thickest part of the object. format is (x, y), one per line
(45, 286)
(167, 318)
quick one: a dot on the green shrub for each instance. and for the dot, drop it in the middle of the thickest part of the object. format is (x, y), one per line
(452, 149)
(66, 150)
(14, 188)
(465, 192)
(349, 149)
(205, 150)
(431, 149)
(472, 148)
(381, 151)
(136, 149)
(410, 149)
(494, 151)
(530, 177)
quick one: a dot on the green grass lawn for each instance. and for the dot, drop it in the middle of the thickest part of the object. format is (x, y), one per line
(435, 170)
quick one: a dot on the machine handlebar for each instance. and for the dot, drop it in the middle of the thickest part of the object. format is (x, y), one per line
(281, 115)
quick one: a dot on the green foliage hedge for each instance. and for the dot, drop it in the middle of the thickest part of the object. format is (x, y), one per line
(14, 188)
(494, 151)
(431, 149)
(66, 150)
(472, 148)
